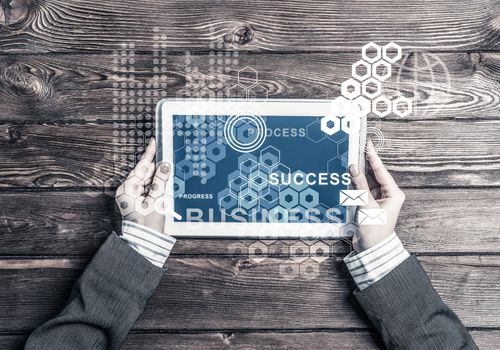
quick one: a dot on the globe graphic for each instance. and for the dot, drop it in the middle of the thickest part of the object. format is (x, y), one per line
(424, 79)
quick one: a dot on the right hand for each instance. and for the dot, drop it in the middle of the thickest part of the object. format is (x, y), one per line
(383, 193)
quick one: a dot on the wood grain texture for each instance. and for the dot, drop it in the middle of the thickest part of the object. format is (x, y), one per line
(234, 293)
(61, 26)
(418, 153)
(76, 223)
(348, 340)
(64, 88)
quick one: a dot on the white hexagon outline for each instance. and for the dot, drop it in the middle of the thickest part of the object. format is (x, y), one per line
(385, 76)
(368, 94)
(371, 44)
(324, 124)
(368, 70)
(395, 106)
(344, 88)
(387, 101)
(387, 47)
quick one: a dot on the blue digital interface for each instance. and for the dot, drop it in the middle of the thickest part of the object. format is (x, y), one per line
(274, 169)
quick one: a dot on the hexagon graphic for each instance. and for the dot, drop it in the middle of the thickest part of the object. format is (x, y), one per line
(186, 169)
(247, 162)
(297, 214)
(270, 199)
(314, 133)
(350, 124)
(258, 91)
(222, 193)
(238, 183)
(371, 88)
(340, 248)
(289, 271)
(309, 269)
(371, 52)
(248, 77)
(125, 203)
(270, 156)
(144, 205)
(402, 106)
(330, 124)
(350, 88)
(361, 70)
(278, 214)
(258, 251)
(381, 106)
(299, 251)
(228, 202)
(237, 91)
(289, 198)
(319, 251)
(248, 198)
(246, 132)
(309, 198)
(340, 106)
(392, 52)
(298, 186)
(382, 70)
(179, 186)
(207, 169)
(257, 180)
(279, 248)
(216, 152)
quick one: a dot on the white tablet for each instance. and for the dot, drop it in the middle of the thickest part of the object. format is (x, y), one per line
(259, 168)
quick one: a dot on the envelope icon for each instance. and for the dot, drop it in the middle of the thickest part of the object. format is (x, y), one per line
(353, 197)
(372, 217)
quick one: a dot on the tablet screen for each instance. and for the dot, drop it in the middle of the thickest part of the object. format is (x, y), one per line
(294, 175)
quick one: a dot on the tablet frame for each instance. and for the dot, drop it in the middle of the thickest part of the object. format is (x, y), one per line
(168, 107)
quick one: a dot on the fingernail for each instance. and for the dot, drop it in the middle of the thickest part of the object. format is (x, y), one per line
(353, 169)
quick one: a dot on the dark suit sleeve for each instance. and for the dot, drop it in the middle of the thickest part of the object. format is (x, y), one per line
(104, 303)
(409, 314)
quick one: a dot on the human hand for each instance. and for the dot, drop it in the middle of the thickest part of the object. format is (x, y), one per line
(383, 193)
(137, 195)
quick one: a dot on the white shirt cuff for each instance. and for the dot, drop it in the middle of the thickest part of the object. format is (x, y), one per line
(151, 244)
(372, 264)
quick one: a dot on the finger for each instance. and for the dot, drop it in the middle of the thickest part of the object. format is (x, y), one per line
(160, 179)
(359, 182)
(381, 174)
(142, 170)
(135, 184)
(150, 152)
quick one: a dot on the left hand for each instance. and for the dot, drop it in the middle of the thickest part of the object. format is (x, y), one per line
(146, 183)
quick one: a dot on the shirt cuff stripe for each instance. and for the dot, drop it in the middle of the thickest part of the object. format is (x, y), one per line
(373, 264)
(153, 245)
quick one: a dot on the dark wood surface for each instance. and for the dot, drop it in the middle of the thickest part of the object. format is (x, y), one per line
(56, 147)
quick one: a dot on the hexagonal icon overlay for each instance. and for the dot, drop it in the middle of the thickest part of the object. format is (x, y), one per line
(289, 198)
(216, 152)
(372, 52)
(392, 52)
(402, 106)
(314, 133)
(371, 88)
(248, 77)
(270, 156)
(330, 124)
(298, 181)
(382, 106)
(309, 198)
(361, 70)
(350, 88)
(382, 70)
(248, 198)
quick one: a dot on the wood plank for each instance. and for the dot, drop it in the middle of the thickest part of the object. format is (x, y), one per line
(418, 153)
(485, 340)
(220, 293)
(76, 223)
(82, 87)
(257, 25)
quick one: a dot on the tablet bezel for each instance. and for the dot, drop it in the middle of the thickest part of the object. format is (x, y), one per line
(169, 107)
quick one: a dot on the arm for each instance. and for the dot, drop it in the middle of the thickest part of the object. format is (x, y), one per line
(113, 290)
(393, 288)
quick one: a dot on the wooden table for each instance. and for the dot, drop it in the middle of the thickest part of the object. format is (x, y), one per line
(56, 138)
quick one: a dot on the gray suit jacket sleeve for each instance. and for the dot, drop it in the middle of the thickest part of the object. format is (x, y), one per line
(409, 314)
(104, 303)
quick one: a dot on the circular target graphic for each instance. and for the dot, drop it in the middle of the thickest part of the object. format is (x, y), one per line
(245, 132)
(375, 135)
